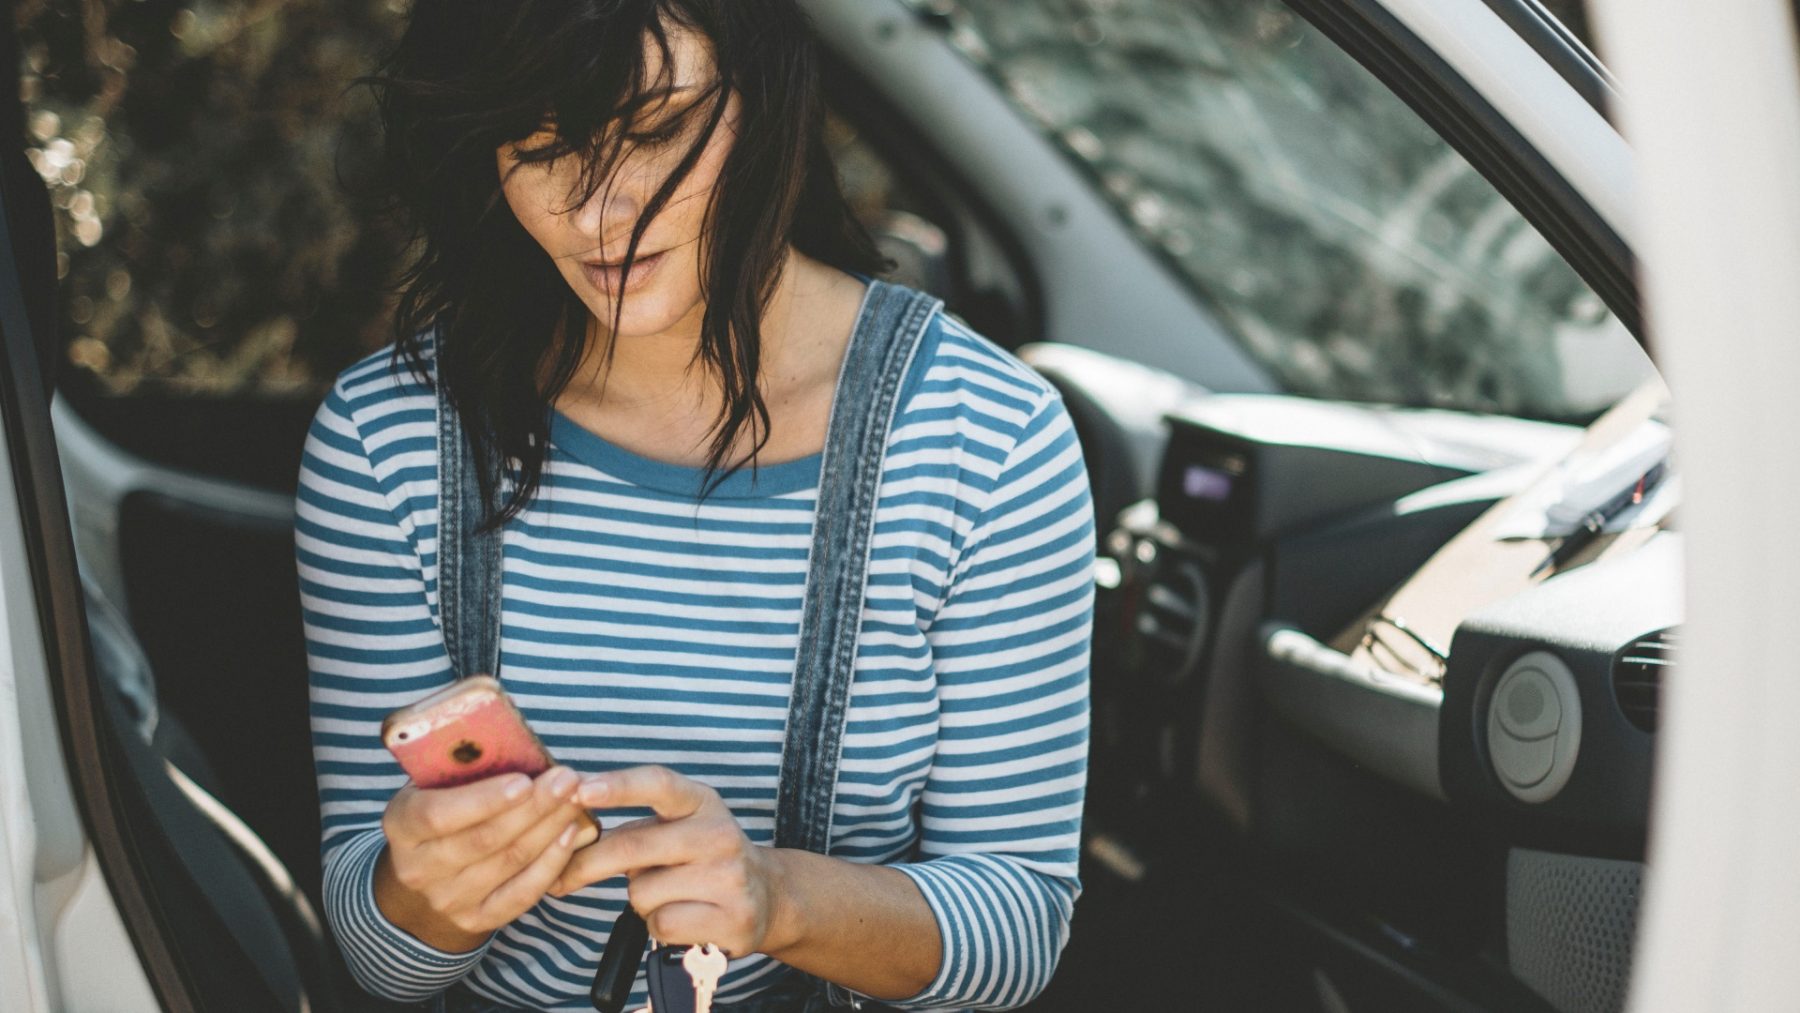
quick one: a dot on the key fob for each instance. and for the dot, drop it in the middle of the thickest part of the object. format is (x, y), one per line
(671, 988)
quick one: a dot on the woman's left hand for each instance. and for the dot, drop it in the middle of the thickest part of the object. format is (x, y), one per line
(694, 875)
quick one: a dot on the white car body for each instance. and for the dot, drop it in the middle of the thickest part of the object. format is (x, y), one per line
(1715, 119)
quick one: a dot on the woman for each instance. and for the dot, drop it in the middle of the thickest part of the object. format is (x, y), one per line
(605, 194)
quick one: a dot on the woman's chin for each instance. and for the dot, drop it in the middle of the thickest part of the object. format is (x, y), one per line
(644, 313)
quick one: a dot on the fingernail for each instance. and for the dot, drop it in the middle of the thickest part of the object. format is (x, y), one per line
(563, 781)
(517, 787)
(595, 790)
(568, 835)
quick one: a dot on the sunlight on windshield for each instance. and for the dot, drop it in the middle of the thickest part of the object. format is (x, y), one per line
(1350, 249)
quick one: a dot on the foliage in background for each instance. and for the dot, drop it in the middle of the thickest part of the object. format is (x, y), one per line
(192, 150)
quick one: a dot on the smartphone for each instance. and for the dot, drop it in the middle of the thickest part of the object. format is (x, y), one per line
(465, 732)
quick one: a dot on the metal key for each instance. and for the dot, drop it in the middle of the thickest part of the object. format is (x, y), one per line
(705, 964)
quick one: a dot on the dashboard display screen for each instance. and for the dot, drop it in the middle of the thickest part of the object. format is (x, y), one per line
(1206, 486)
(1205, 483)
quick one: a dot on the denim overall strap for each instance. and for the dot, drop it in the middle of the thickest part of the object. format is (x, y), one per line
(468, 562)
(881, 350)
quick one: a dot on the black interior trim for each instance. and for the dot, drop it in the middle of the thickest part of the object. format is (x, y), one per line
(25, 382)
(1451, 106)
(247, 438)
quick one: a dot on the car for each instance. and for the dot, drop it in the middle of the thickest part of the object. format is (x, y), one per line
(1340, 294)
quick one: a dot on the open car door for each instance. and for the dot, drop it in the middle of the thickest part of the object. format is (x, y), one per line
(112, 853)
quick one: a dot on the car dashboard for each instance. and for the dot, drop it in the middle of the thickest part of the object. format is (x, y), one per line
(1491, 815)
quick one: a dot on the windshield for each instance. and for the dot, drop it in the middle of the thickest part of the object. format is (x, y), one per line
(1348, 248)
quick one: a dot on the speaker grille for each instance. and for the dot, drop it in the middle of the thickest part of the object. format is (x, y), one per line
(1637, 673)
(1569, 927)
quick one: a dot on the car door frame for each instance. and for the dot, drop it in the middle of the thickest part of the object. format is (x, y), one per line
(1713, 106)
(1528, 112)
(73, 887)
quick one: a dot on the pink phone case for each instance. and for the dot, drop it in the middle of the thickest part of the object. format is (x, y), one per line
(463, 733)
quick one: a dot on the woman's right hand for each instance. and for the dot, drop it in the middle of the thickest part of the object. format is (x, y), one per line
(461, 862)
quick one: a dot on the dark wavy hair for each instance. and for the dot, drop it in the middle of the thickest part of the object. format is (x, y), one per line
(467, 76)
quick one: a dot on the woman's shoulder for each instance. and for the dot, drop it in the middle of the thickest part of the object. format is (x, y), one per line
(987, 388)
(388, 377)
(380, 406)
(984, 362)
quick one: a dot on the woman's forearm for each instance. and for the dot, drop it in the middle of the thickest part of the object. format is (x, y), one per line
(866, 927)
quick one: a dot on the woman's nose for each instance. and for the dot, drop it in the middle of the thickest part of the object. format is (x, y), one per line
(611, 212)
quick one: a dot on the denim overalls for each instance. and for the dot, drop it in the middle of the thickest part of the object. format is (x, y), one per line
(883, 345)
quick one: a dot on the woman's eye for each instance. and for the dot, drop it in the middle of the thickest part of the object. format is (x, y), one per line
(656, 138)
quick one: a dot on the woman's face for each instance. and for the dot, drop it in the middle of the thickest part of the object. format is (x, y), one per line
(587, 243)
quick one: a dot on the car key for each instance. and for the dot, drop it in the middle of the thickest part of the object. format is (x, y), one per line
(705, 964)
(671, 989)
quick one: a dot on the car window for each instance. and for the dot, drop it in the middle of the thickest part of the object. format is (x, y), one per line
(1348, 248)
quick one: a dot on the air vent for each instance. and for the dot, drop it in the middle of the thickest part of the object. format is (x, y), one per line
(1172, 619)
(1637, 675)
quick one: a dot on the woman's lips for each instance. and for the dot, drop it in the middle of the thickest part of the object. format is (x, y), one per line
(605, 277)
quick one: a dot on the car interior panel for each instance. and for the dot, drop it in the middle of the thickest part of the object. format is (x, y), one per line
(251, 941)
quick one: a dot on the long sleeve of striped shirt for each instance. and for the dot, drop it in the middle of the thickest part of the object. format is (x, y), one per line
(1011, 647)
(367, 622)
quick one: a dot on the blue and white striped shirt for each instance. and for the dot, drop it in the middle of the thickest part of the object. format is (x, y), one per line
(639, 627)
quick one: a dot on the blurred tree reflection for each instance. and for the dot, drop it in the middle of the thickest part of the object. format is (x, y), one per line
(194, 153)
(1349, 249)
